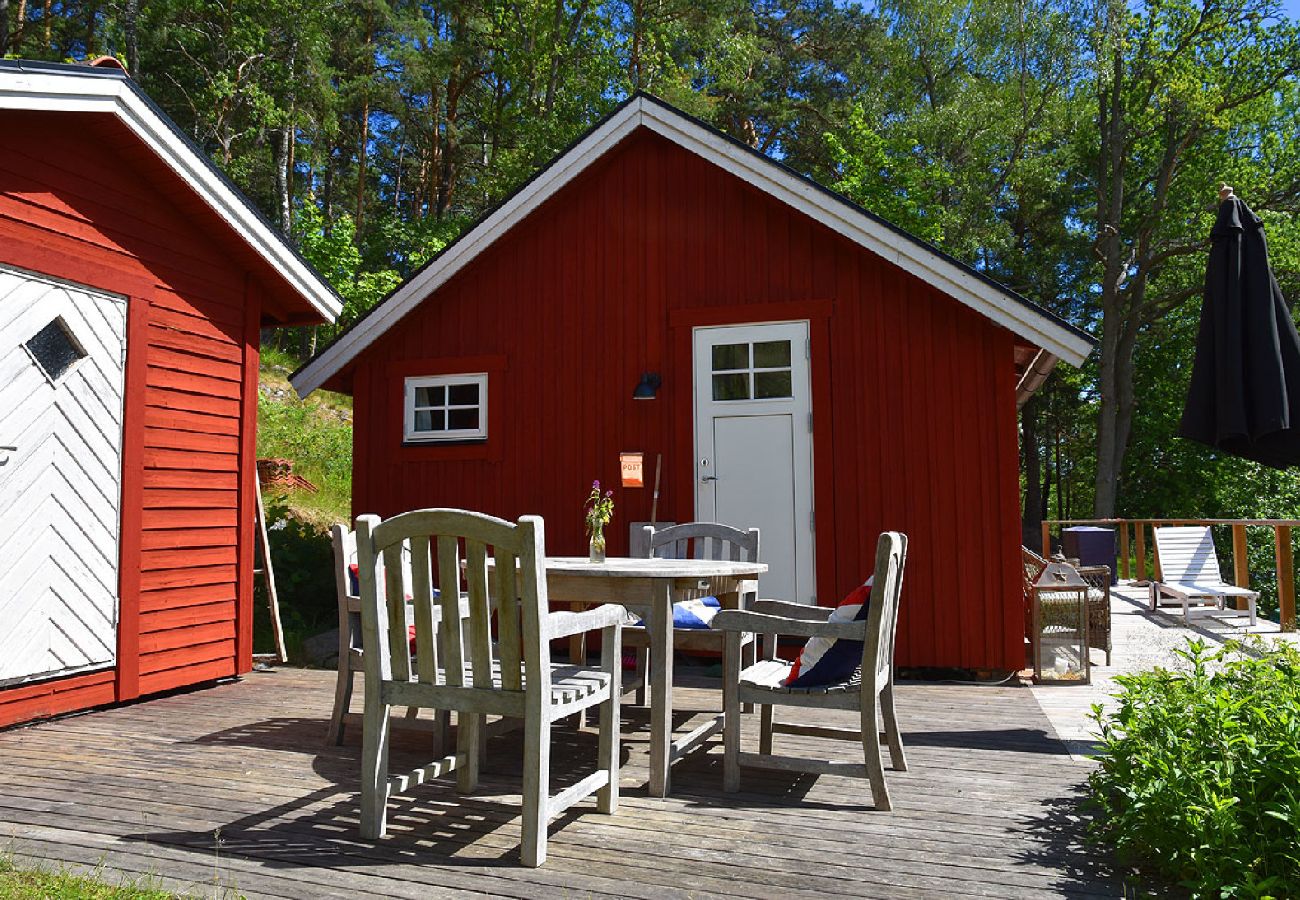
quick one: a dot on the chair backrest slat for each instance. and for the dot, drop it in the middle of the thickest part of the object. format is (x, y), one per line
(882, 615)
(426, 645)
(394, 590)
(1187, 555)
(480, 612)
(453, 653)
(506, 574)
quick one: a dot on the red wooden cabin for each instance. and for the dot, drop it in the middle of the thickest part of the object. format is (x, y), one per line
(823, 376)
(134, 279)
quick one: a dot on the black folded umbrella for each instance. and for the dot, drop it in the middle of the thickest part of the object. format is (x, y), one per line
(1245, 393)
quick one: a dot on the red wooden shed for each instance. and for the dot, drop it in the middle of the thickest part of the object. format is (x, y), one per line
(134, 279)
(821, 374)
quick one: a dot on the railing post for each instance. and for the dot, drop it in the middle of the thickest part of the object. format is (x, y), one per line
(1047, 541)
(1141, 535)
(1240, 562)
(1123, 549)
(1285, 575)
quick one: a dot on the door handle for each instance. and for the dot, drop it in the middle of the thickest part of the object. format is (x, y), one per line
(707, 478)
(4, 454)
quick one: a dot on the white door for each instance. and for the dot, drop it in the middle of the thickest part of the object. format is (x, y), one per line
(62, 354)
(753, 445)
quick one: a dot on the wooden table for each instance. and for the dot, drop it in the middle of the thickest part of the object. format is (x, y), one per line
(649, 587)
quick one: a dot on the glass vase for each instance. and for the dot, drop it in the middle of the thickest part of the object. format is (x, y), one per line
(596, 546)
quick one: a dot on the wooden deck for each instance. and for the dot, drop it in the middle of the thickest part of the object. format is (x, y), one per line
(229, 789)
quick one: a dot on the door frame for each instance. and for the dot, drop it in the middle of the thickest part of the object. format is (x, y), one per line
(681, 393)
(118, 604)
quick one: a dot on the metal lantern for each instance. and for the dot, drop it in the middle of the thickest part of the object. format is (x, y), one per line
(1061, 626)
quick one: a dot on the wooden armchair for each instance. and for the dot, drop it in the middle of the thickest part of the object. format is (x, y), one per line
(692, 540)
(763, 682)
(1098, 578)
(520, 683)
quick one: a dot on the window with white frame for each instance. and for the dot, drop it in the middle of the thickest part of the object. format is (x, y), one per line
(446, 408)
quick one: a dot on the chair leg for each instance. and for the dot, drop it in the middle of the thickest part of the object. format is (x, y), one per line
(642, 675)
(612, 657)
(731, 714)
(469, 748)
(342, 700)
(871, 749)
(537, 786)
(441, 731)
(765, 728)
(374, 770)
(748, 656)
(887, 712)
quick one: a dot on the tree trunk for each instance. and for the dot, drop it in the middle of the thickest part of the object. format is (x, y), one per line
(131, 36)
(1031, 520)
(4, 27)
(283, 142)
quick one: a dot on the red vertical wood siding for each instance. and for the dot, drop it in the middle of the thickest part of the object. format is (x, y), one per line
(72, 208)
(913, 393)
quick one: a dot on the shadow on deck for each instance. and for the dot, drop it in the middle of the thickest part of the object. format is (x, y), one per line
(231, 788)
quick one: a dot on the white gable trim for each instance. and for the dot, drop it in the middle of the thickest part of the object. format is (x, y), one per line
(934, 269)
(96, 93)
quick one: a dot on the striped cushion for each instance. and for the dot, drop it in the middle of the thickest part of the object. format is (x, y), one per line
(825, 661)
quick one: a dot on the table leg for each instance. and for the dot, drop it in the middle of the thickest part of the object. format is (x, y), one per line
(661, 686)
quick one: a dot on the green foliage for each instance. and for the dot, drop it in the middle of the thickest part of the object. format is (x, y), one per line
(304, 576)
(42, 884)
(316, 434)
(1198, 774)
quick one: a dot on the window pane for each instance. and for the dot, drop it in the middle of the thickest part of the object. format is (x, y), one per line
(429, 396)
(771, 354)
(431, 420)
(462, 420)
(772, 384)
(730, 356)
(54, 349)
(462, 394)
(731, 387)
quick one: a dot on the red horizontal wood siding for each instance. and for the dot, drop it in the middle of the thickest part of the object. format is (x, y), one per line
(913, 393)
(72, 208)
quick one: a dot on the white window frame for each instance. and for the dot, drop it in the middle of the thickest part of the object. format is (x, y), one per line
(409, 432)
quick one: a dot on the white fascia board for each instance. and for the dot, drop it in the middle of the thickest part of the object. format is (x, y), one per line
(39, 91)
(460, 253)
(767, 176)
(872, 235)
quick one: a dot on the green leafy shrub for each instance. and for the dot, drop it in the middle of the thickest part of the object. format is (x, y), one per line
(304, 579)
(1199, 771)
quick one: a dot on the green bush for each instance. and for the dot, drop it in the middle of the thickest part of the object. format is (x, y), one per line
(1199, 771)
(304, 579)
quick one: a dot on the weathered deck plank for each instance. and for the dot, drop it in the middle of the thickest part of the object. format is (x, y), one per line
(234, 784)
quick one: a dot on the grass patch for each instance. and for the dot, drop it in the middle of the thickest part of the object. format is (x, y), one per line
(40, 884)
(316, 434)
(1198, 775)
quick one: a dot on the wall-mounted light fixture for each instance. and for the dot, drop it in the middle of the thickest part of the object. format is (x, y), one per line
(648, 387)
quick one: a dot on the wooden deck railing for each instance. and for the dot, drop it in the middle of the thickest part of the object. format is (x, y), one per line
(1133, 548)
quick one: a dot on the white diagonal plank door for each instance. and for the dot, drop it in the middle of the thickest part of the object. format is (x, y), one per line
(62, 355)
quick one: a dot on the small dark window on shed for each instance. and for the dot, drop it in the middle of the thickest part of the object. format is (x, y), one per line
(54, 349)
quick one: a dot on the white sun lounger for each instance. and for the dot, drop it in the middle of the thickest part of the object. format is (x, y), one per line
(1189, 571)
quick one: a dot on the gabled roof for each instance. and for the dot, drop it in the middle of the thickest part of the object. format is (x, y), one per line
(1029, 321)
(61, 87)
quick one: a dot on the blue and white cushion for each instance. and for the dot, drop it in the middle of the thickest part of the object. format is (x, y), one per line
(692, 614)
(825, 661)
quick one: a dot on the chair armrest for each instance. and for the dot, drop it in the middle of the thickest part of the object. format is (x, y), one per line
(788, 610)
(743, 620)
(564, 624)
